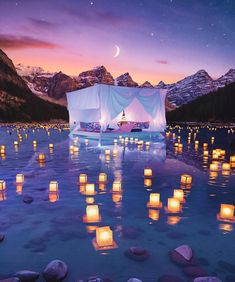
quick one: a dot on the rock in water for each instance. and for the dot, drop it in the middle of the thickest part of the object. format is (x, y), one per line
(27, 275)
(2, 236)
(207, 279)
(185, 251)
(194, 271)
(27, 199)
(56, 270)
(94, 279)
(134, 280)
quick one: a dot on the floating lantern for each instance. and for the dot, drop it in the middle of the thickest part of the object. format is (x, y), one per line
(226, 166)
(104, 238)
(186, 179)
(53, 186)
(214, 167)
(117, 186)
(115, 152)
(232, 159)
(41, 157)
(107, 152)
(16, 143)
(92, 214)
(86, 141)
(179, 194)
(51, 146)
(102, 177)
(212, 140)
(75, 149)
(2, 150)
(226, 212)
(205, 146)
(2, 185)
(154, 214)
(180, 147)
(148, 172)
(89, 189)
(176, 145)
(34, 143)
(82, 178)
(205, 153)
(19, 178)
(154, 200)
(173, 205)
(115, 141)
(196, 143)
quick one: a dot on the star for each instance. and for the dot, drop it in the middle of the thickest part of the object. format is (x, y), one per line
(151, 34)
(92, 3)
(16, 3)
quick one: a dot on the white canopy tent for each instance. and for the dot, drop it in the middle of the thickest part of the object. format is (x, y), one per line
(105, 104)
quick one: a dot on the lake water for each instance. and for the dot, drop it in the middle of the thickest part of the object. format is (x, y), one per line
(53, 228)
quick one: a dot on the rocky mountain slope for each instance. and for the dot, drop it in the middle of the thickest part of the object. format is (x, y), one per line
(53, 86)
(215, 106)
(18, 103)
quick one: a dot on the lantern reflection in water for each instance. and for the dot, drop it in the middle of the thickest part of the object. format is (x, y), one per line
(19, 188)
(154, 214)
(173, 220)
(53, 197)
(117, 197)
(3, 195)
(147, 182)
(2, 185)
(104, 239)
(90, 200)
(226, 227)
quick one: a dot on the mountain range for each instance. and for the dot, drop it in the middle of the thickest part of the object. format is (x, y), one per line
(22, 87)
(55, 85)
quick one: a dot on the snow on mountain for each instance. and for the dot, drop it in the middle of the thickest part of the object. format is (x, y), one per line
(125, 80)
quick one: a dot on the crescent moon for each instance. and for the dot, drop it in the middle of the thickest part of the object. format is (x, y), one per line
(117, 51)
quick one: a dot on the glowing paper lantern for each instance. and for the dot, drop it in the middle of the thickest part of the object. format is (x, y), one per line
(53, 186)
(2, 185)
(115, 141)
(2, 149)
(226, 212)
(82, 178)
(186, 179)
(232, 159)
(226, 166)
(205, 146)
(41, 157)
(205, 153)
(107, 152)
(34, 143)
(214, 167)
(104, 236)
(19, 178)
(179, 194)
(148, 172)
(86, 141)
(16, 143)
(90, 189)
(173, 205)
(92, 214)
(117, 186)
(154, 200)
(102, 177)
(51, 146)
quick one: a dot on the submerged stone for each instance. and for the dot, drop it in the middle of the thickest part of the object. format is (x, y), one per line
(27, 199)
(2, 236)
(27, 275)
(227, 266)
(56, 270)
(137, 253)
(185, 251)
(134, 280)
(207, 279)
(194, 271)
(180, 260)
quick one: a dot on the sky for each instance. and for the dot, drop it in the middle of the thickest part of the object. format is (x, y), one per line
(157, 39)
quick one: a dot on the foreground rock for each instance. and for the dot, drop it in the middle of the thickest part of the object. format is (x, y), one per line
(194, 271)
(134, 280)
(183, 255)
(207, 279)
(56, 270)
(94, 279)
(27, 199)
(137, 253)
(27, 275)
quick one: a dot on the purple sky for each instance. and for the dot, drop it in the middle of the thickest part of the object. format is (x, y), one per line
(158, 39)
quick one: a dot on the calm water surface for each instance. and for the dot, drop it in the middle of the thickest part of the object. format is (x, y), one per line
(45, 230)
